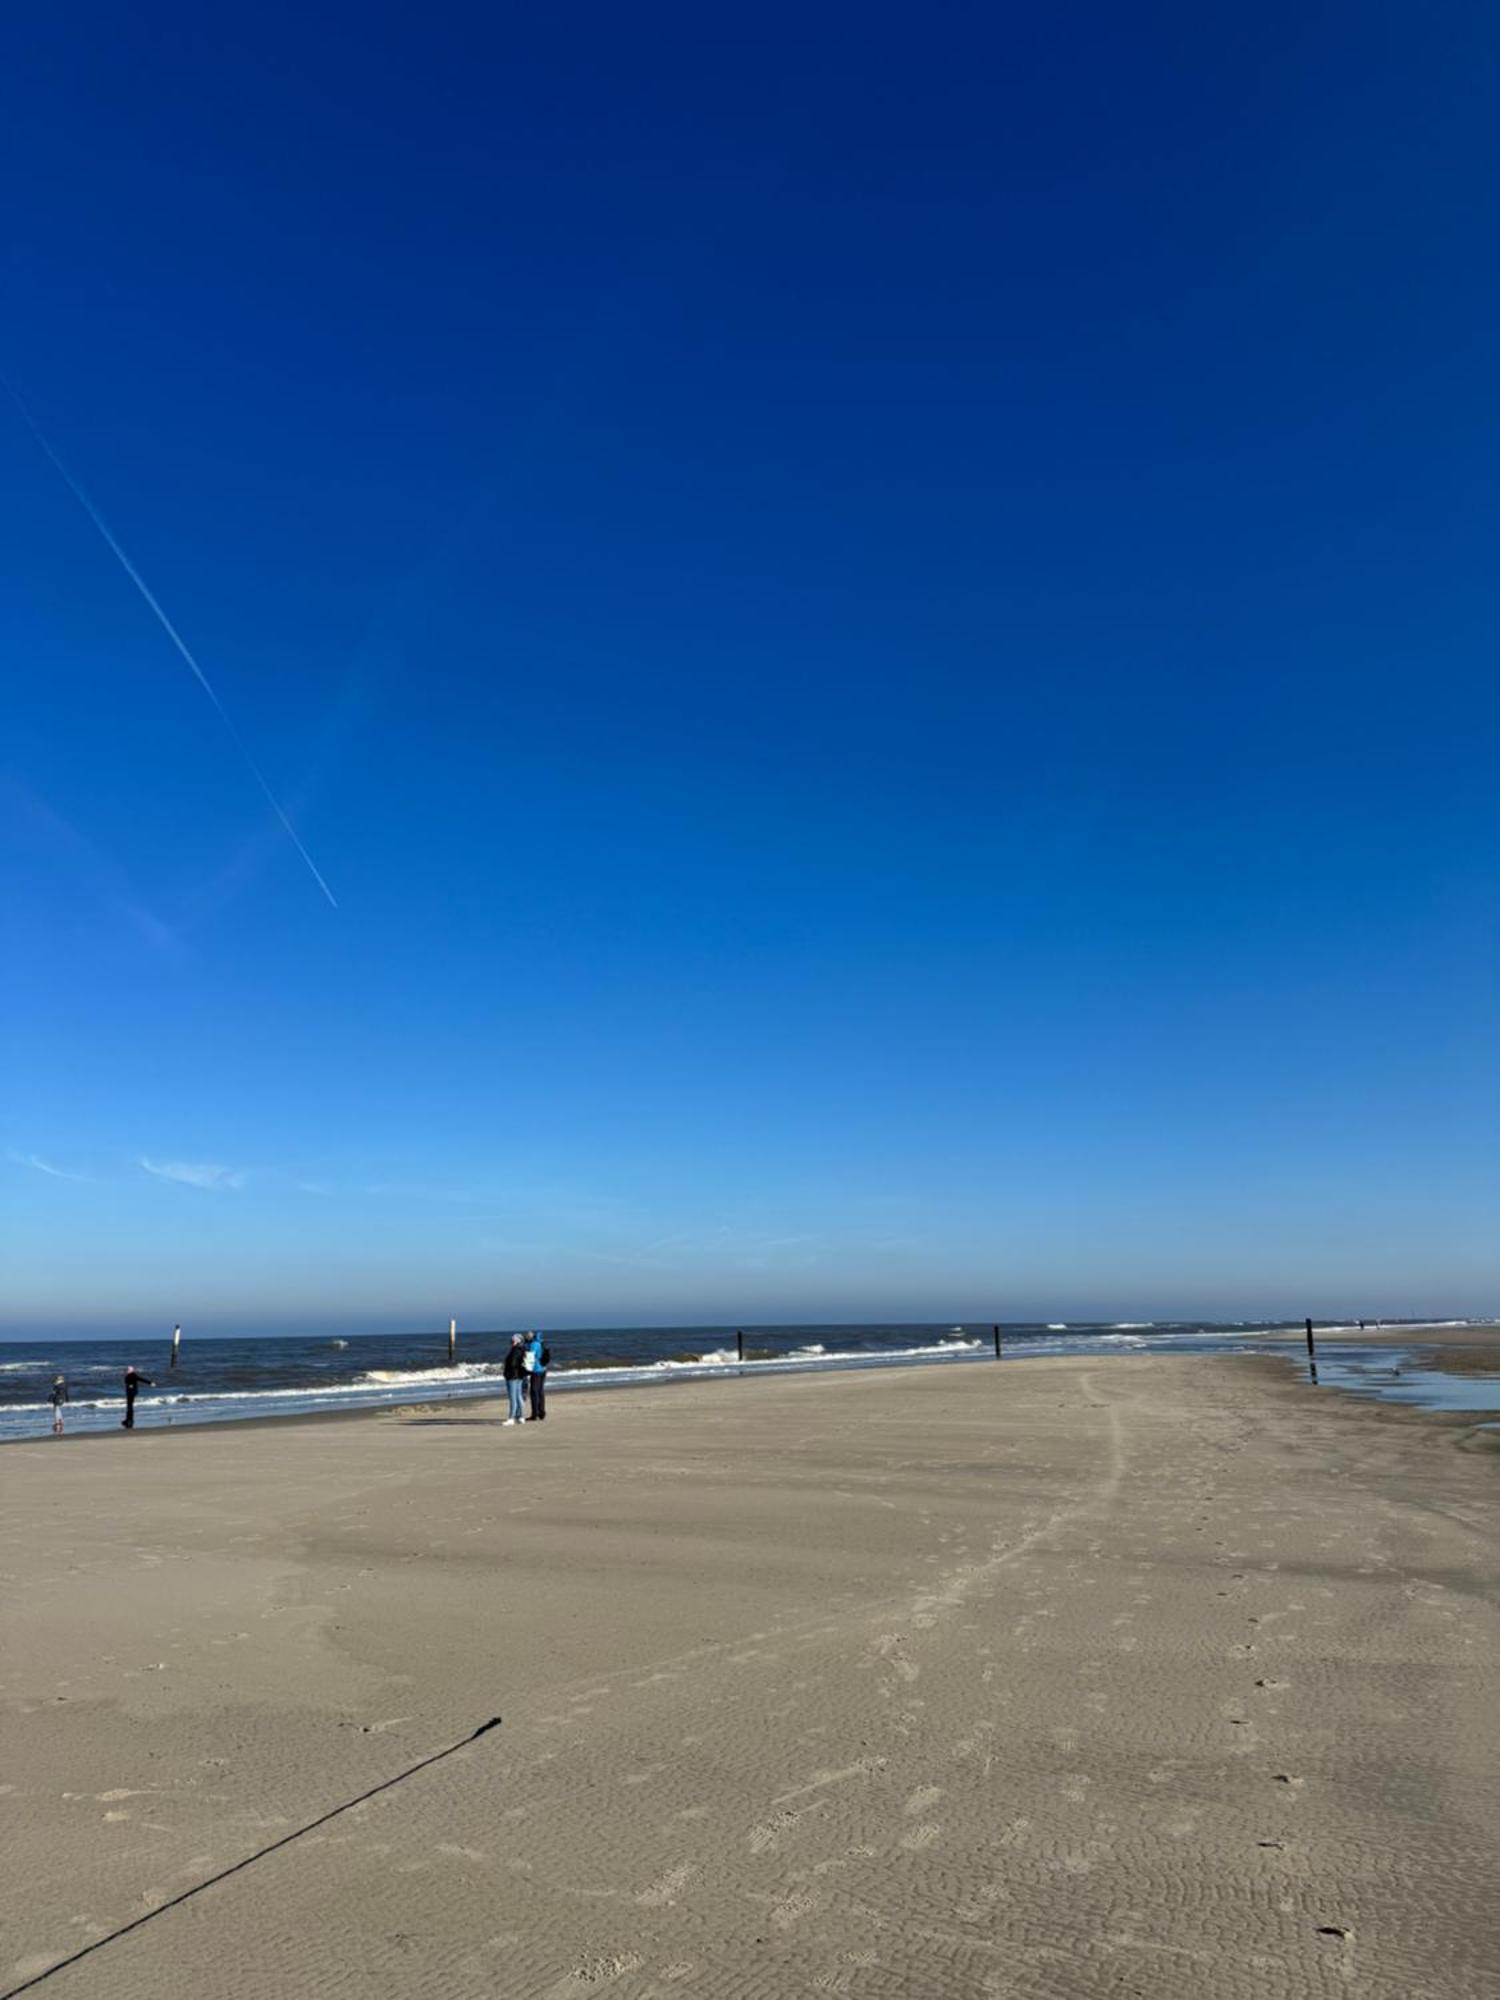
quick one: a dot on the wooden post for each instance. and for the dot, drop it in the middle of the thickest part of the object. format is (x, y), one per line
(452, 1340)
(997, 1343)
(176, 1342)
(739, 1342)
(1312, 1356)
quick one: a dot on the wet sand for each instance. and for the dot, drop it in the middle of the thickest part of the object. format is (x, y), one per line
(1066, 1677)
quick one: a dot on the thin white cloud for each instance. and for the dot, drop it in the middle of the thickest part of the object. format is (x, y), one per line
(40, 1166)
(44, 831)
(195, 1173)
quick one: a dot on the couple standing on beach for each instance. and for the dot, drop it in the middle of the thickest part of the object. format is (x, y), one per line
(525, 1370)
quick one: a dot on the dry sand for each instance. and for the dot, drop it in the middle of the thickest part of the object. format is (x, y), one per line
(1137, 1676)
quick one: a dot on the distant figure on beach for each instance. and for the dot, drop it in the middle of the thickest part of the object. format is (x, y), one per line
(134, 1380)
(538, 1359)
(514, 1372)
(59, 1397)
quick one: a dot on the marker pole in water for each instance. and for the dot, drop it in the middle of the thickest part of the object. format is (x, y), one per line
(452, 1340)
(739, 1343)
(1312, 1352)
(997, 1343)
(176, 1343)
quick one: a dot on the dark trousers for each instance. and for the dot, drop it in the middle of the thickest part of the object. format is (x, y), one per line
(536, 1382)
(129, 1418)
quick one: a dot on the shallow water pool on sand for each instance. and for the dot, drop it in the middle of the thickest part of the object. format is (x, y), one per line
(1406, 1375)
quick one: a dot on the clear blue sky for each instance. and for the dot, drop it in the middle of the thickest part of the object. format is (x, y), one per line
(882, 621)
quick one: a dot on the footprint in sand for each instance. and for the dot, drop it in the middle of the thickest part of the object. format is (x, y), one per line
(663, 1894)
(599, 1971)
(765, 1837)
(922, 1800)
(793, 1908)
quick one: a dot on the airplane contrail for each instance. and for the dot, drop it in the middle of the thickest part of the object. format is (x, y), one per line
(172, 633)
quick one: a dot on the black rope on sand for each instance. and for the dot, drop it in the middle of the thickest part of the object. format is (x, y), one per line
(234, 1869)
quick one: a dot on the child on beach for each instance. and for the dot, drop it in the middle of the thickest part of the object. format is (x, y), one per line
(59, 1397)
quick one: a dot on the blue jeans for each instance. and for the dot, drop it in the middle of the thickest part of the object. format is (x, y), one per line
(517, 1392)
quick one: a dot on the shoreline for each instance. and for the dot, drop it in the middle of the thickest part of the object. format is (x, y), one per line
(1472, 1350)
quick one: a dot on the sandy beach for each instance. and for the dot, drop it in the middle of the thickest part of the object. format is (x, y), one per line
(1125, 1676)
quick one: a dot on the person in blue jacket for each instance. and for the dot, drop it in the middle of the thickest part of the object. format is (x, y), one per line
(538, 1356)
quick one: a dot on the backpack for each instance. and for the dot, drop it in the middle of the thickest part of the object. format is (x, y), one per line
(546, 1357)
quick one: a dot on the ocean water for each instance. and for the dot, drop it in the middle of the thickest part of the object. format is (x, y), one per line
(220, 1381)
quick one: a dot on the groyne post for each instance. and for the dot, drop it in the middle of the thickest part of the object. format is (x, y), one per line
(176, 1343)
(452, 1340)
(997, 1343)
(1312, 1352)
(739, 1342)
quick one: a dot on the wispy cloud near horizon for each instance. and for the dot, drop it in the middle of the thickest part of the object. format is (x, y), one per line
(195, 1173)
(41, 1166)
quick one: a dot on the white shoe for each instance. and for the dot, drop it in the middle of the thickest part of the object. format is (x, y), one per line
(506, 1424)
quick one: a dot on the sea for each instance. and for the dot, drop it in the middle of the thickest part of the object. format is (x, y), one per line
(283, 1375)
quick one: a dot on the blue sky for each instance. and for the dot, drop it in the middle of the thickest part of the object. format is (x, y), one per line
(882, 624)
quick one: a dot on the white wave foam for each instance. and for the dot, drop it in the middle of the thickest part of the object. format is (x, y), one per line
(461, 1371)
(720, 1357)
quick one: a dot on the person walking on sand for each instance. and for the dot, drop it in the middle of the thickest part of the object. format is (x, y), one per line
(59, 1397)
(514, 1372)
(538, 1360)
(134, 1380)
